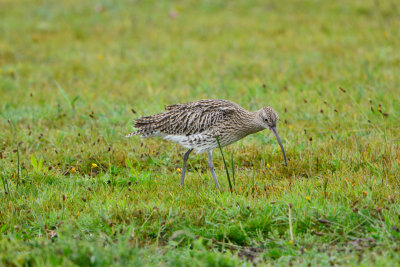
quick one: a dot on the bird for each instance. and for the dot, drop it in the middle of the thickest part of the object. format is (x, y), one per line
(200, 125)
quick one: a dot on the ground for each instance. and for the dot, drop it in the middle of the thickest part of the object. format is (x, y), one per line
(75, 191)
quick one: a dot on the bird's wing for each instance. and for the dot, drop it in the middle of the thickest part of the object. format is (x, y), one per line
(186, 119)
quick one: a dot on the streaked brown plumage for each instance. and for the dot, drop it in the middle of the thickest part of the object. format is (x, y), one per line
(195, 126)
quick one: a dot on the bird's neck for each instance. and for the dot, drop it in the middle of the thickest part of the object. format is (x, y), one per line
(250, 122)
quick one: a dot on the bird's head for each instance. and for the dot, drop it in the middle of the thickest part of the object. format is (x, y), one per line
(268, 119)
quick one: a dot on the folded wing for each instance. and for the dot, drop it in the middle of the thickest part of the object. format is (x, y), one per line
(186, 119)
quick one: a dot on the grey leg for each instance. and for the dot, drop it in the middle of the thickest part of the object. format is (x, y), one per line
(185, 158)
(211, 166)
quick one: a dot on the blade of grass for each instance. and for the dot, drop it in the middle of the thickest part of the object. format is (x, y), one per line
(64, 94)
(226, 167)
(290, 222)
(233, 170)
(18, 167)
(5, 183)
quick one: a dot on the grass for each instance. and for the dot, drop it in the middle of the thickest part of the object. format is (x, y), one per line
(74, 191)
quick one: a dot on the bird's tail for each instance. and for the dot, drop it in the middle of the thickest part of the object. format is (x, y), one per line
(132, 134)
(147, 126)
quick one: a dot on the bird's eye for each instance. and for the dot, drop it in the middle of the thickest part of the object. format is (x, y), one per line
(265, 119)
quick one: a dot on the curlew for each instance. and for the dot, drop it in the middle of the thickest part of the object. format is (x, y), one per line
(196, 126)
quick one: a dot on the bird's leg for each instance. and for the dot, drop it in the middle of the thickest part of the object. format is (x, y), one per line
(211, 166)
(185, 158)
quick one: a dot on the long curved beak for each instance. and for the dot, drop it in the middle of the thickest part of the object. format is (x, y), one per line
(280, 143)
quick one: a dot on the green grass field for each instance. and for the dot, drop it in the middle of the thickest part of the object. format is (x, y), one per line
(74, 191)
